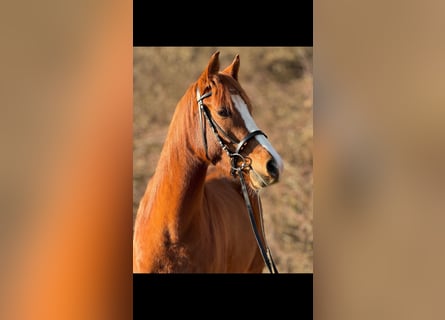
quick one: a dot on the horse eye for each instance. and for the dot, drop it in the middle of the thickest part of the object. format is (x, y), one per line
(224, 112)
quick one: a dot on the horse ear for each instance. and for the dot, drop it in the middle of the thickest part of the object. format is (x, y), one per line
(232, 70)
(212, 67)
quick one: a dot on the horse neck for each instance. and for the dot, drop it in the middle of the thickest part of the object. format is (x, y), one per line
(177, 186)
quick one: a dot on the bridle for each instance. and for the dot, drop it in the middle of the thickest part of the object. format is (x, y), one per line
(236, 169)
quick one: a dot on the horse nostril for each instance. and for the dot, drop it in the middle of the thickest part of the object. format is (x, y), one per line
(272, 169)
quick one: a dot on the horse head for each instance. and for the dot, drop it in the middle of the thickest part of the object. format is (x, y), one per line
(229, 136)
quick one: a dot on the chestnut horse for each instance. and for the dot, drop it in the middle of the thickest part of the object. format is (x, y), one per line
(193, 216)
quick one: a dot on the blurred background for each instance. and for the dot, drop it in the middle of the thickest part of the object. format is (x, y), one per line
(66, 160)
(379, 155)
(279, 82)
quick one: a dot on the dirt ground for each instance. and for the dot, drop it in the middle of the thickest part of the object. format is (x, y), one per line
(279, 82)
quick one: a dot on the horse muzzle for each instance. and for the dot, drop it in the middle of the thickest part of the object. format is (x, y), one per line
(266, 175)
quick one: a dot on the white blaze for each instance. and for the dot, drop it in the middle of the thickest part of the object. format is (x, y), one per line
(251, 126)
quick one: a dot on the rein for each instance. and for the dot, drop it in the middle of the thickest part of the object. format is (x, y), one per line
(236, 170)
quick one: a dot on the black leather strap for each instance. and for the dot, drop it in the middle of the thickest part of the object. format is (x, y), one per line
(236, 169)
(247, 138)
(265, 252)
